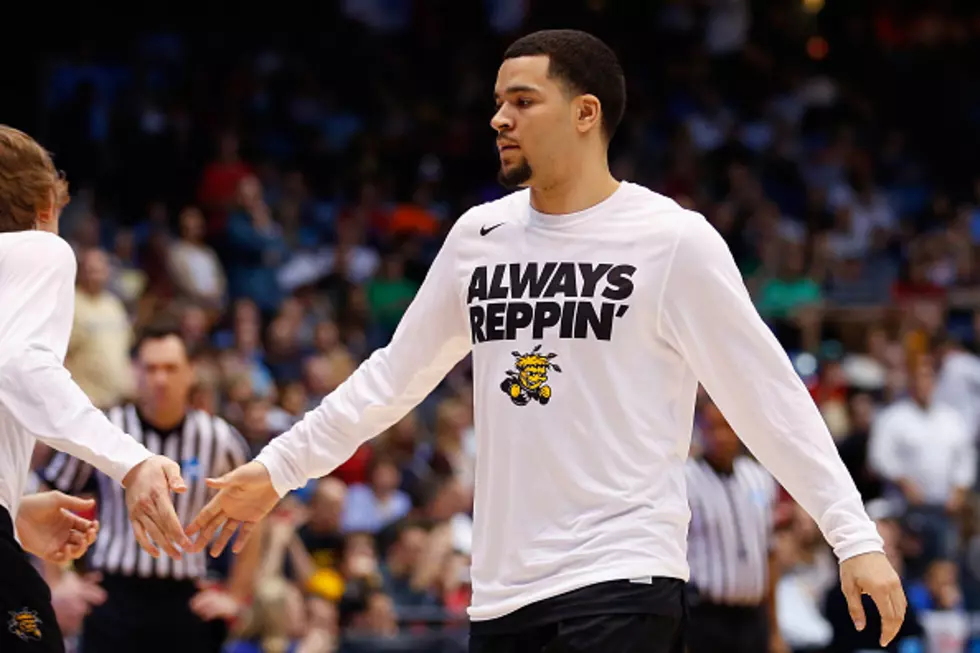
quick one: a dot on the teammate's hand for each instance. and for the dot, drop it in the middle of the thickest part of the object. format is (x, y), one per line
(872, 574)
(49, 528)
(151, 509)
(244, 497)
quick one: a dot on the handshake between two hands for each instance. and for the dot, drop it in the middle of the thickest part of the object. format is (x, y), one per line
(50, 528)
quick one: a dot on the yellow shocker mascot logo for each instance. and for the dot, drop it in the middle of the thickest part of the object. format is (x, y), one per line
(529, 379)
(25, 624)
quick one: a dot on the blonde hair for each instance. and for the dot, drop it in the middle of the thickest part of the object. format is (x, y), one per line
(29, 182)
(267, 618)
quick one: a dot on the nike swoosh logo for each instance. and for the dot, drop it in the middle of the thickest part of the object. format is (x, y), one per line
(485, 230)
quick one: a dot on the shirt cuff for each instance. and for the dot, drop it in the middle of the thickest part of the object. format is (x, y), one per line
(860, 547)
(128, 455)
(277, 468)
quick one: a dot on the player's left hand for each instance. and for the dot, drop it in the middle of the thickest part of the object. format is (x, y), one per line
(244, 497)
(872, 574)
(49, 528)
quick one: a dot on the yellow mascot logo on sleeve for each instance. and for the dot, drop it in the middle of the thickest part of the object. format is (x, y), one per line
(25, 624)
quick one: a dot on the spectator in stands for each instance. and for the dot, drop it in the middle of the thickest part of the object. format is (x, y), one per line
(254, 249)
(854, 447)
(925, 450)
(388, 295)
(321, 534)
(938, 600)
(98, 351)
(373, 505)
(194, 266)
(789, 298)
(807, 572)
(277, 622)
(958, 382)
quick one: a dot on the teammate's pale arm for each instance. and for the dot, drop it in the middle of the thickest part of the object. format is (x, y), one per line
(39, 393)
(709, 318)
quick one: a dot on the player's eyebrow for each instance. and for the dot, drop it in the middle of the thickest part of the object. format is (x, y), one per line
(516, 88)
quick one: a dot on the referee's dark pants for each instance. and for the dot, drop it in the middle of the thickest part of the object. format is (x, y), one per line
(29, 624)
(611, 617)
(149, 615)
(716, 628)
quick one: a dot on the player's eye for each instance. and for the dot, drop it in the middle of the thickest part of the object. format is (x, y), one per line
(524, 102)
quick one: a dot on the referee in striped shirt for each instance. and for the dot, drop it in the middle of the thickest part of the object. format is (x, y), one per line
(158, 605)
(732, 498)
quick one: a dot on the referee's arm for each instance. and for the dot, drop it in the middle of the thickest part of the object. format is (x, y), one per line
(706, 315)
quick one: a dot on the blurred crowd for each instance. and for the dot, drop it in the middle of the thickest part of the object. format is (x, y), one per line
(281, 198)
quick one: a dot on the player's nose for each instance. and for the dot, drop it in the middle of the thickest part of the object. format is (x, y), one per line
(500, 121)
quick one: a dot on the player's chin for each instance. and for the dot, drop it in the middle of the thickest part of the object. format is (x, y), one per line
(515, 175)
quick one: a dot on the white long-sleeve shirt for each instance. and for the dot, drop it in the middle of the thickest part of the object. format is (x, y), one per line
(589, 334)
(931, 447)
(38, 399)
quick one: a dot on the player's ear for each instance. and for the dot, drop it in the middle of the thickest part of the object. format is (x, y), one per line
(588, 112)
(47, 217)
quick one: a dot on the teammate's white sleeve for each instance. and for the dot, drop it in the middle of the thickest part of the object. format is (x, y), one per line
(432, 336)
(708, 317)
(38, 303)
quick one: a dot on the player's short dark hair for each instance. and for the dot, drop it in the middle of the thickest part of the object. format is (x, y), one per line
(584, 64)
(160, 331)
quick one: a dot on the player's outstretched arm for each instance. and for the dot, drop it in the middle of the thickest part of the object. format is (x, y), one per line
(708, 317)
(38, 393)
(431, 338)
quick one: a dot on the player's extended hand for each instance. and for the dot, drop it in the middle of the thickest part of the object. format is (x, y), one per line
(49, 528)
(872, 574)
(151, 509)
(244, 497)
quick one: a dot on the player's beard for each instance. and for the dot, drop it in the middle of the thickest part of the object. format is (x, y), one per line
(515, 177)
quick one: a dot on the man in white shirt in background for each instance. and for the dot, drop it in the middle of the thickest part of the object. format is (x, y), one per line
(958, 381)
(592, 309)
(40, 402)
(925, 449)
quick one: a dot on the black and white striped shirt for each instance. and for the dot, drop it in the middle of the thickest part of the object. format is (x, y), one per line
(203, 445)
(731, 531)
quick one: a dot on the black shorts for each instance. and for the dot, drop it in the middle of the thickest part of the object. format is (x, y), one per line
(29, 624)
(617, 616)
(149, 615)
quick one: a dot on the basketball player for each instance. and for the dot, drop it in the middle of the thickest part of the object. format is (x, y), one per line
(38, 399)
(592, 308)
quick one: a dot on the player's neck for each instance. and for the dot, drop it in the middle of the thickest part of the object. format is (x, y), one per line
(583, 188)
(721, 464)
